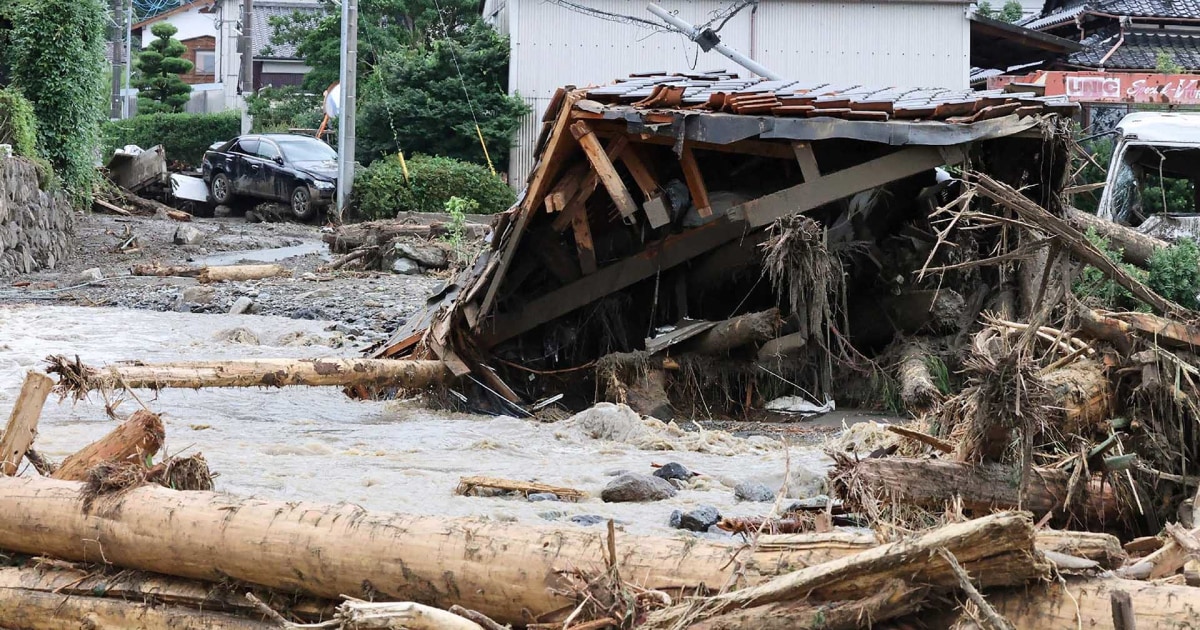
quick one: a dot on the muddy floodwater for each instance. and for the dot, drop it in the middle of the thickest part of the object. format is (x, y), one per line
(315, 444)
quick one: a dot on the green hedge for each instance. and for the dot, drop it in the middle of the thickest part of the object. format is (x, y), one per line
(185, 137)
(380, 190)
(18, 125)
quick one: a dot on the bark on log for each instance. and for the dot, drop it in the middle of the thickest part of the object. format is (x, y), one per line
(983, 487)
(1085, 394)
(155, 589)
(79, 379)
(498, 569)
(400, 616)
(1135, 246)
(35, 610)
(22, 422)
(1110, 329)
(998, 549)
(135, 439)
(739, 331)
(784, 346)
(1087, 603)
(1169, 333)
(241, 272)
(351, 237)
(917, 390)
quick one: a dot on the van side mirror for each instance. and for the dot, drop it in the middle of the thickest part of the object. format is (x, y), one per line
(279, 160)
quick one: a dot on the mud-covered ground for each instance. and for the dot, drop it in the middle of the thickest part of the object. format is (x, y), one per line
(364, 306)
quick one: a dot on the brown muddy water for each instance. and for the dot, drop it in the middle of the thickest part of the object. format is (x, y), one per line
(315, 444)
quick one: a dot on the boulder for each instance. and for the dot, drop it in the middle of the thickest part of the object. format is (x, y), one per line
(187, 235)
(405, 266)
(754, 492)
(202, 294)
(635, 488)
(699, 519)
(673, 470)
(241, 306)
(428, 255)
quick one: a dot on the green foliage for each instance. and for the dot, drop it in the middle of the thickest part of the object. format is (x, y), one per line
(7, 12)
(414, 102)
(940, 373)
(1101, 150)
(55, 54)
(1010, 12)
(458, 209)
(1094, 284)
(1175, 273)
(1171, 194)
(185, 137)
(158, 68)
(381, 190)
(18, 125)
(280, 109)
(1165, 63)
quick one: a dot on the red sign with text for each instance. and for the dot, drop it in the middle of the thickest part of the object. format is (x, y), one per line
(1111, 87)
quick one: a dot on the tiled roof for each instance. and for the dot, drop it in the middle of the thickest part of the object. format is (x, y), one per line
(727, 93)
(1065, 12)
(261, 31)
(1139, 51)
(1057, 17)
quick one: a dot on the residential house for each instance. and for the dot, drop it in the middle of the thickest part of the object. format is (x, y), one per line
(196, 31)
(872, 42)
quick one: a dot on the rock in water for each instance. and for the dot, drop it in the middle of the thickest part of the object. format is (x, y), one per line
(673, 470)
(406, 266)
(202, 294)
(187, 235)
(675, 518)
(427, 255)
(700, 519)
(635, 488)
(542, 496)
(241, 306)
(587, 519)
(753, 491)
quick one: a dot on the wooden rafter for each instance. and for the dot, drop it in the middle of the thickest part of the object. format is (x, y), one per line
(695, 182)
(604, 168)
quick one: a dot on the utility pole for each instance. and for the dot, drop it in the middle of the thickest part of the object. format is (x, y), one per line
(349, 94)
(709, 40)
(247, 60)
(118, 51)
(128, 57)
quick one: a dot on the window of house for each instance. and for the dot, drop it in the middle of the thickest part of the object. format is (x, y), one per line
(206, 62)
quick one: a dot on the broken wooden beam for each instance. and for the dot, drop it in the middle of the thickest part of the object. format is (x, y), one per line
(502, 570)
(77, 379)
(22, 422)
(468, 485)
(695, 182)
(736, 332)
(135, 440)
(604, 168)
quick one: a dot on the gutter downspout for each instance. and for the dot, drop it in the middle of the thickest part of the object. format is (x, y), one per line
(754, 31)
(1121, 40)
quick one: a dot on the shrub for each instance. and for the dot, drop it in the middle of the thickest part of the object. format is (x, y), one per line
(18, 126)
(55, 51)
(185, 137)
(1094, 284)
(380, 190)
(280, 109)
(160, 88)
(1175, 272)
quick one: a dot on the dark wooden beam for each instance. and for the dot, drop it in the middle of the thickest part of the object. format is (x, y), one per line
(604, 168)
(695, 182)
(664, 254)
(616, 147)
(846, 182)
(583, 241)
(807, 161)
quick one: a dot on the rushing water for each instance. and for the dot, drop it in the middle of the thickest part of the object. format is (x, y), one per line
(316, 444)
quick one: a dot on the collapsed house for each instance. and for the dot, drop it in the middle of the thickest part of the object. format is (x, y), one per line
(713, 243)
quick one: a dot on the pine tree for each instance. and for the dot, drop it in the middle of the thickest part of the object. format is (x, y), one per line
(158, 68)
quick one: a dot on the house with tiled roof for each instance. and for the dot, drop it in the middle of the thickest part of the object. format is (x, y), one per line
(1125, 35)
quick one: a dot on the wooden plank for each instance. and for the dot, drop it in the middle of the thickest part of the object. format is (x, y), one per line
(641, 173)
(583, 241)
(604, 168)
(22, 423)
(616, 147)
(843, 183)
(807, 161)
(565, 188)
(695, 182)
(664, 254)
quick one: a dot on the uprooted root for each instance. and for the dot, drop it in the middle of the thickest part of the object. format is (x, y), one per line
(802, 270)
(177, 473)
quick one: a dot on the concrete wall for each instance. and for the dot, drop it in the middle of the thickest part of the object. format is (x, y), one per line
(36, 228)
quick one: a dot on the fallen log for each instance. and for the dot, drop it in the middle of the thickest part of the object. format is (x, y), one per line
(499, 569)
(468, 485)
(35, 610)
(77, 379)
(22, 422)
(1087, 603)
(931, 483)
(739, 331)
(917, 389)
(134, 440)
(84, 580)
(998, 550)
(373, 233)
(1160, 330)
(1102, 548)
(211, 274)
(892, 600)
(1136, 248)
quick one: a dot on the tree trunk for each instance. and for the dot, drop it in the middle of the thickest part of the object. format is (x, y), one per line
(351, 237)
(135, 439)
(22, 422)
(241, 272)
(893, 600)
(1084, 393)
(1087, 603)
(931, 483)
(155, 269)
(79, 379)
(917, 389)
(155, 589)
(1103, 548)
(1135, 246)
(498, 569)
(997, 550)
(734, 333)
(35, 610)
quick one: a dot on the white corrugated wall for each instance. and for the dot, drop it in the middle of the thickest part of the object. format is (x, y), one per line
(886, 43)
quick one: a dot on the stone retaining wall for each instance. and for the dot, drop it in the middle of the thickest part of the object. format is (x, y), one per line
(36, 227)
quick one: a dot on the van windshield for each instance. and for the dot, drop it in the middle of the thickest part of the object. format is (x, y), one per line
(1152, 179)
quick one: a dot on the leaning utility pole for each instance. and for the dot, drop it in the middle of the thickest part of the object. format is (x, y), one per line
(247, 60)
(709, 40)
(128, 58)
(118, 50)
(349, 94)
